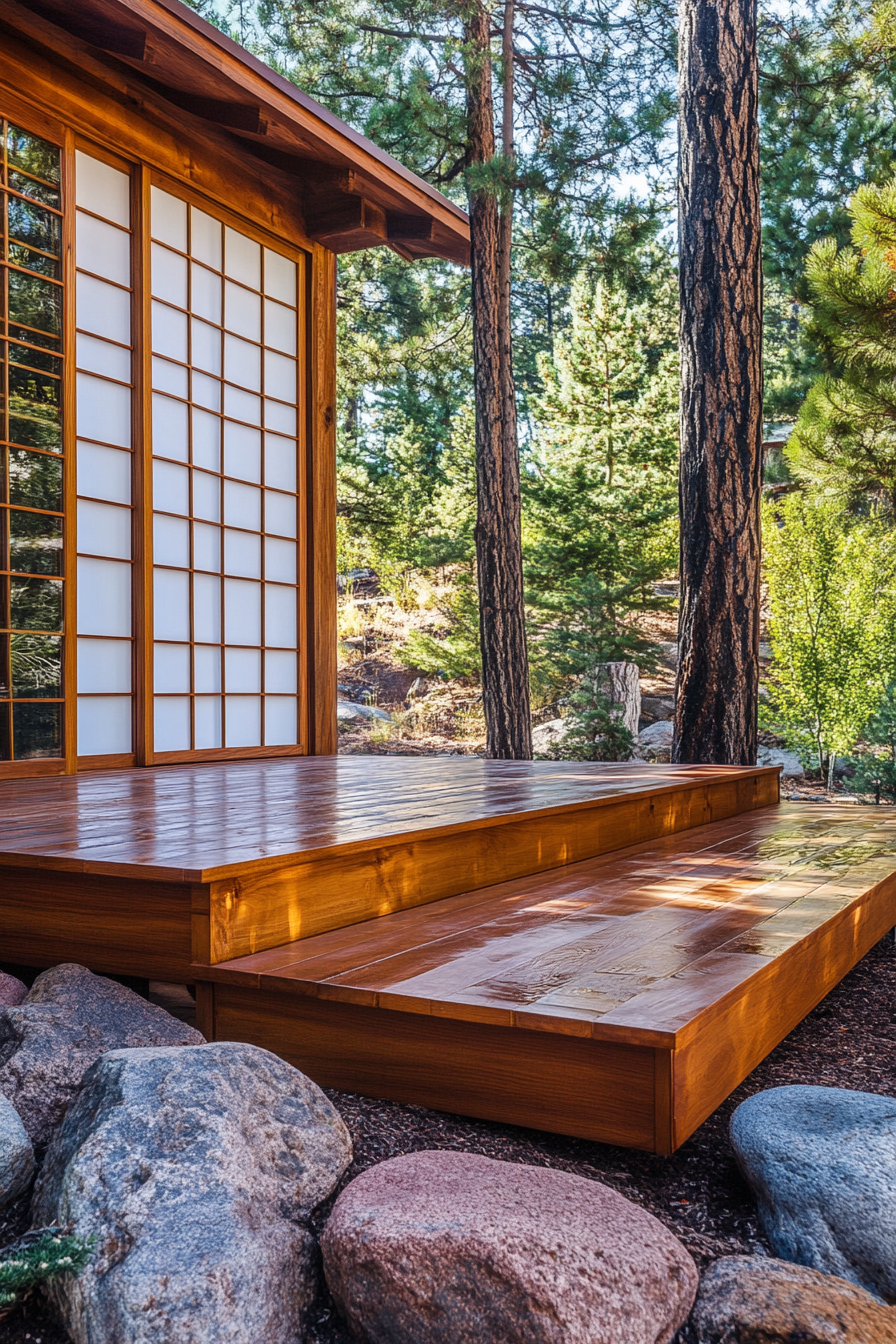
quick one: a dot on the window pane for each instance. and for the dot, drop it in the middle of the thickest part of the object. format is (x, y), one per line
(37, 228)
(279, 327)
(104, 410)
(32, 154)
(242, 452)
(104, 725)
(205, 238)
(206, 497)
(37, 731)
(242, 311)
(242, 670)
(242, 258)
(172, 723)
(169, 219)
(280, 671)
(36, 667)
(170, 428)
(240, 405)
(103, 249)
(109, 361)
(279, 417)
(35, 358)
(280, 616)
(35, 303)
(35, 543)
(102, 309)
(169, 377)
(103, 189)
(35, 480)
(207, 391)
(279, 277)
(279, 376)
(242, 612)
(5, 732)
(35, 408)
(207, 713)
(171, 541)
(104, 597)
(206, 441)
(280, 560)
(169, 276)
(38, 191)
(206, 348)
(104, 473)
(104, 665)
(170, 488)
(171, 669)
(280, 721)
(243, 721)
(206, 668)
(171, 605)
(206, 609)
(207, 547)
(242, 554)
(169, 332)
(205, 294)
(279, 513)
(242, 506)
(36, 604)
(242, 363)
(104, 529)
(280, 462)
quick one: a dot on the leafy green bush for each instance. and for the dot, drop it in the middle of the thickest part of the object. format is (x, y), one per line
(456, 654)
(38, 1256)
(874, 773)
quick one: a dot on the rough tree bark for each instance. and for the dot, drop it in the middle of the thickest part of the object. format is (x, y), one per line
(505, 664)
(721, 383)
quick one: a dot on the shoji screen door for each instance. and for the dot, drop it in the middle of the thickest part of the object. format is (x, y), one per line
(225, 343)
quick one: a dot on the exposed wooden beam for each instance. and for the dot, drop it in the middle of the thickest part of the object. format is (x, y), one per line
(347, 224)
(409, 228)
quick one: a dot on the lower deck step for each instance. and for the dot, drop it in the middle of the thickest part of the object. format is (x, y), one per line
(621, 998)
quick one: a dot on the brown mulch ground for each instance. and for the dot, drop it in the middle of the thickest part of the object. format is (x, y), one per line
(848, 1041)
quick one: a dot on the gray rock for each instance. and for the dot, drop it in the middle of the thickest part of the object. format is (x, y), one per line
(348, 712)
(658, 736)
(822, 1164)
(16, 1154)
(454, 1248)
(655, 707)
(791, 765)
(750, 1299)
(548, 735)
(12, 991)
(194, 1169)
(68, 1020)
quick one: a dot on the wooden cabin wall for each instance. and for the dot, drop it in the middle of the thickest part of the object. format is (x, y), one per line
(57, 88)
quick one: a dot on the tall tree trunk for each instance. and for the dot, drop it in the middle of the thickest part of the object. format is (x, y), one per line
(721, 383)
(505, 664)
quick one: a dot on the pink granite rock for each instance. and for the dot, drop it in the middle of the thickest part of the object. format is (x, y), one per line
(452, 1248)
(12, 991)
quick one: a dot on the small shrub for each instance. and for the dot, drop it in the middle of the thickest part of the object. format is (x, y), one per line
(37, 1257)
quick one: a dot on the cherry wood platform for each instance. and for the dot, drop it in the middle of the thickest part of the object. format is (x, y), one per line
(154, 872)
(621, 998)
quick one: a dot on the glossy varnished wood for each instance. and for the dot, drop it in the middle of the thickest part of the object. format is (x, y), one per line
(699, 952)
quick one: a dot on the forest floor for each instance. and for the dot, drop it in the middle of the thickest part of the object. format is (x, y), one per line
(848, 1041)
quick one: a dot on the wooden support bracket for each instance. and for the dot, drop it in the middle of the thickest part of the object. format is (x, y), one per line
(347, 224)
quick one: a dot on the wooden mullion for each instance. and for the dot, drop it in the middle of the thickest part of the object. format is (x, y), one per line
(320, 484)
(69, 464)
(141, 484)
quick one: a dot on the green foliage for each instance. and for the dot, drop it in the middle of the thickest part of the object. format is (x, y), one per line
(593, 728)
(456, 654)
(874, 772)
(38, 1256)
(832, 602)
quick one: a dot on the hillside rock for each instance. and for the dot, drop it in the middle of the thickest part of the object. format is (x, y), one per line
(453, 1248)
(16, 1154)
(194, 1169)
(12, 991)
(69, 1018)
(749, 1299)
(791, 765)
(657, 736)
(821, 1162)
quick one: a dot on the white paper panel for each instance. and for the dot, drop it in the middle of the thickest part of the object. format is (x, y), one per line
(205, 295)
(280, 329)
(104, 666)
(240, 405)
(280, 612)
(280, 462)
(170, 488)
(279, 277)
(205, 238)
(206, 497)
(206, 391)
(279, 513)
(242, 670)
(169, 275)
(243, 719)
(206, 609)
(242, 258)
(104, 529)
(206, 441)
(103, 249)
(102, 189)
(207, 722)
(104, 473)
(171, 541)
(242, 554)
(104, 597)
(242, 311)
(169, 332)
(102, 309)
(96, 356)
(280, 417)
(207, 547)
(171, 669)
(242, 612)
(104, 725)
(279, 376)
(280, 672)
(206, 669)
(168, 377)
(242, 452)
(170, 428)
(280, 721)
(169, 219)
(242, 506)
(206, 348)
(171, 727)
(242, 363)
(279, 560)
(171, 605)
(103, 410)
